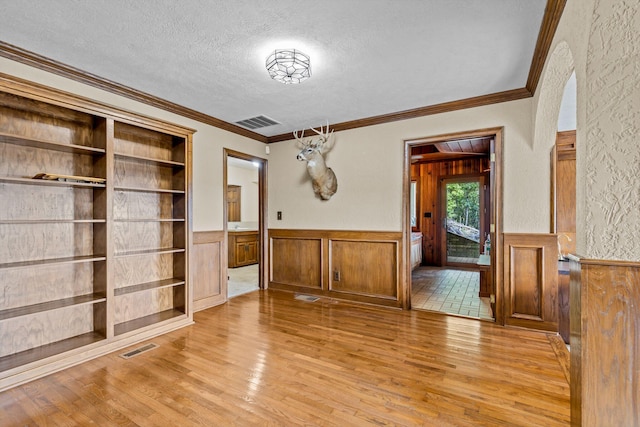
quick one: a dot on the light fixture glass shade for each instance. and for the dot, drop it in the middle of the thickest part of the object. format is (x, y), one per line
(289, 66)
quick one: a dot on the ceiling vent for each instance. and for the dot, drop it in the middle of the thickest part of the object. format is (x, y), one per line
(257, 122)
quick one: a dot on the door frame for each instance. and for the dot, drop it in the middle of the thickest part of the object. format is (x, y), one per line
(496, 189)
(262, 214)
(479, 178)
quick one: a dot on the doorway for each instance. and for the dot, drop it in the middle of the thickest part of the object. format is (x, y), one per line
(244, 221)
(458, 210)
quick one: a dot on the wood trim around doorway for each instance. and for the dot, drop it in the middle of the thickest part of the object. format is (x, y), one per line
(263, 280)
(496, 188)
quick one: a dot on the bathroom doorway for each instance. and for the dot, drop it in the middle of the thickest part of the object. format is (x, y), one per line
(244, 211)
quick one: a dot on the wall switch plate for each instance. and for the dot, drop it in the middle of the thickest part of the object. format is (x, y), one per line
(279, 216)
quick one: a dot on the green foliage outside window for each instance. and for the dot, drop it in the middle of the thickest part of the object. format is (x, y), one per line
(463, 203)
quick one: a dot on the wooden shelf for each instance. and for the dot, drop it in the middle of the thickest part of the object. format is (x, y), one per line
(49, 145)
(52, 221)
(127, 200)
(18, 359)
(158, 284)
(148, 190)
(52, 261)
(150, 160)
(151, 220)
(132, 325)
(31, 181)
(149, 252)
(51, 305)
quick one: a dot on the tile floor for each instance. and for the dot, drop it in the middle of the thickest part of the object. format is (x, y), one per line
(449, 291)
(242, 280)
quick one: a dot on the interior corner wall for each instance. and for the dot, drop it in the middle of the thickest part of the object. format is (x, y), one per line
(208, 141)
(368, 163)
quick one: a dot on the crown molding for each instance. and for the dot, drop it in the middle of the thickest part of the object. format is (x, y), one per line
(462, 104)
(553, 12)
(40, 62)
(551, 19)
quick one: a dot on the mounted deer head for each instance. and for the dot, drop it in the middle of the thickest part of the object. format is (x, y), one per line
(324, 181)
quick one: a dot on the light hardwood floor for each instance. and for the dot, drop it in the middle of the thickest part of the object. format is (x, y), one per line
(265, 358)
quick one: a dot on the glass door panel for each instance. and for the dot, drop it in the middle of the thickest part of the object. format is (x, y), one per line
(462, 221)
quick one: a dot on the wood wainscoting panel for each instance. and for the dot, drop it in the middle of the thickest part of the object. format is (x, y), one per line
(526, 280)
(368, 264)
(605, 343)
(366, 268)
(296, 262)
(208, 267)
(531, 281)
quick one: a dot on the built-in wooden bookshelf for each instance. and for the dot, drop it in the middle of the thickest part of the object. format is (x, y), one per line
(91, 264)
(149, 214)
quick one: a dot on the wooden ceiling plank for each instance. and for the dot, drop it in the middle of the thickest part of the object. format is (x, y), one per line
(465, 146)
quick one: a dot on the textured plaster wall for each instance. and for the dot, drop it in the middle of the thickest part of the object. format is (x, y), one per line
(208, 142)
(551, 92)
(368, 163)
(603, 39)
(612, 156)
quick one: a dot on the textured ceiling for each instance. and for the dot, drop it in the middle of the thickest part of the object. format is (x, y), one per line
(369, 57)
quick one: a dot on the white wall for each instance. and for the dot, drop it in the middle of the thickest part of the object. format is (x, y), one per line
(247, 179)
(208, 142)
(368, 163)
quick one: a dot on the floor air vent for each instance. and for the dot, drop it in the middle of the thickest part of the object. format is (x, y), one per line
(257, 122)
(307, 298)
(137, 351)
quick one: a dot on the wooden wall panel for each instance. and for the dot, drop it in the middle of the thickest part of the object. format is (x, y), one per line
(25, 162)
(36, 285)
(605, 343)
(566, 196)
(28, 242)
(563, 190)
(26, 332)
(137, 236)
(531, 281)
(55, 203)
(139, 205)
(526, 281)
(208, 268)
(139, 304)
(129, 271)
(136, 141)
(429, 175)
(133, 173)
(367, 268)
(296, 261)
(368, 263)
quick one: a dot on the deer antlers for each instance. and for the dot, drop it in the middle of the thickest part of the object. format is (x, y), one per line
(324, 134)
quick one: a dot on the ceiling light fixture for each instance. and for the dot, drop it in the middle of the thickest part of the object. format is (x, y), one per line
(289, 66)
